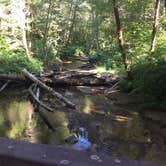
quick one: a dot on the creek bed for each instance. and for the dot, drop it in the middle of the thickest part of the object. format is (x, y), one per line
(113, 129)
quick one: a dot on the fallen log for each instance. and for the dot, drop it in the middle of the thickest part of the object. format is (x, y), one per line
(39, 107)
(78, 74)
(78, 82)
(12, 77)
(36, 99)
(74, 78)
(67, 78)
(47, 88)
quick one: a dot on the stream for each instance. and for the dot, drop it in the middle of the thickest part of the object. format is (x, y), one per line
(114, 124)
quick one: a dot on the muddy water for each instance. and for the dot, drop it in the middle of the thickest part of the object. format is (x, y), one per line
(18, 120)
(114, 128)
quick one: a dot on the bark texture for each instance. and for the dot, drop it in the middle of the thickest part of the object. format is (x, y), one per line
(120, 34)
(155, 25)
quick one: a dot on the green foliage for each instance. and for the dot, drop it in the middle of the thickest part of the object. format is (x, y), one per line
(13, 61)
(109, 58)
(126, 85)
(148, 80)
(161, 45)
(58, 30)
(66, 52)
(79, 52)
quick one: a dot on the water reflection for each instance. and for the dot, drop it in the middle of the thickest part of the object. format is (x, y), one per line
(19, 121)
(88, 106)
(17, 118)
(13, 119)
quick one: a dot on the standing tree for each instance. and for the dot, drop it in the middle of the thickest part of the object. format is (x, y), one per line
(95, 20)
(165, 6)
(120, 34)
(20, 22)
(155, 25)
(73, 21)
(46, 30)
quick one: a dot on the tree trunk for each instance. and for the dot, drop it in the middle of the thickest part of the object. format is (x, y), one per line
(97, 39)
(46, 31)
(155, 24)
(96, 30)
(119, 34)
(165, 7)
(24, 27)
(24, 39)
(72, 25)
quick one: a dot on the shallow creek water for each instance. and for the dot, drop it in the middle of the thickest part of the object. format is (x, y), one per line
(113, 128)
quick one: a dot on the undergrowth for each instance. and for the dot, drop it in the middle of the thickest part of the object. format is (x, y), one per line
(148, 82)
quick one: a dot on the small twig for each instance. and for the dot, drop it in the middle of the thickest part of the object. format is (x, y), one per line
(113, 88)
(38, 93)
(4, 85)
(113, 91)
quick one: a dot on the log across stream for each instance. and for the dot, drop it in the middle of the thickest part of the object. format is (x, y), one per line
(70, 78)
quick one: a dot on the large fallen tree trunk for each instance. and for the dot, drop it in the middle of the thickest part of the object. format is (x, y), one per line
(72, 73)
(78, 82)
(67, 78)
(83, 79)
(47, 88)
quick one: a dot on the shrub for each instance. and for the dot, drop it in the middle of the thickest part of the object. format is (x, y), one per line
(14, 64)
(109, 58)
(13, 61)
(70, 51)
(149, 80)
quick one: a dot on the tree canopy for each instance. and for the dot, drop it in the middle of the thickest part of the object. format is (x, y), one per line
(120, 35)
